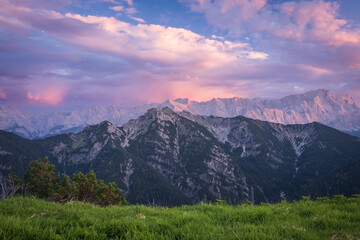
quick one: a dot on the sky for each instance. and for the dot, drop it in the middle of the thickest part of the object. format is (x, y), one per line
(77, 53)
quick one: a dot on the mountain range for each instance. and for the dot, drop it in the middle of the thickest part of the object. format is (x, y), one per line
(171, 158)
(335, 110)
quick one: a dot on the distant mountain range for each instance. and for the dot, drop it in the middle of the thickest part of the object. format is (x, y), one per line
(171, 158)
(337, 111)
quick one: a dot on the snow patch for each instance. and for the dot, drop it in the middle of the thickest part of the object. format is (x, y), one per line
(128, 170)
(220, 132)
(299, 136)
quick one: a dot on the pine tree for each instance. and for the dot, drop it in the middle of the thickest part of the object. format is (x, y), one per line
(66, 191)
(40, 179)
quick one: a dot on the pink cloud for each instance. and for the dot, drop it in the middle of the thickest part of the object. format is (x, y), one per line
(158, 87)
(158, 43)
(130, 10)
(314, 21)
(108, 61)
(172, 60)
(117, 8)
(52, 95)
(138, 19)
(242, 9)
(42, 3)
(2, 94)
(110, 1)
(130, 2)
(317, 21)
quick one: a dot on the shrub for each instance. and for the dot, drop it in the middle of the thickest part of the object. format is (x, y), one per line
(41, 181)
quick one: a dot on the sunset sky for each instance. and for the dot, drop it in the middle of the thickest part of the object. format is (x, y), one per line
(71, 53)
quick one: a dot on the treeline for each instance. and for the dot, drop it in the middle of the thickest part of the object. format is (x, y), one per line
(41, 181)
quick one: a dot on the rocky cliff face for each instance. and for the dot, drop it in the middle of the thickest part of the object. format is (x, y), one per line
(337, 111)
(165, 157)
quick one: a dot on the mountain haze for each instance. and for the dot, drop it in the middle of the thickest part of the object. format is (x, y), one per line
(167, 157)
(338, 111)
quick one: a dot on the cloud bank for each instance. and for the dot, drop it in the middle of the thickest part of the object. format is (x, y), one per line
(308, 36)
(51, 56)
(307, 21)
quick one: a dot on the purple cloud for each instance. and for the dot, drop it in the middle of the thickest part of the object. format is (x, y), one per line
(50, 57)
(307, 41)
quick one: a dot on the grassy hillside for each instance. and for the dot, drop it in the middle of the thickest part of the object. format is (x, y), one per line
(25, 218)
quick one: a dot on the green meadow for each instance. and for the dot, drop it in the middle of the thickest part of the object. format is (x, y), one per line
(30, 218)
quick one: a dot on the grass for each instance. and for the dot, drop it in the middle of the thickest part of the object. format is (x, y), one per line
(27, 218)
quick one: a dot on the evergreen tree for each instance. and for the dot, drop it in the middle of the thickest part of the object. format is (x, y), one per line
(40, 179)
(96, 191)
(66, 191)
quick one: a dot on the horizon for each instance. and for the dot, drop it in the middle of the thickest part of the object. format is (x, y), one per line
(79, 54)
(48, 110)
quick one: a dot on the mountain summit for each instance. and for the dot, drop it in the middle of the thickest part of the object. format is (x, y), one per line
(175, 158)
(334, 110)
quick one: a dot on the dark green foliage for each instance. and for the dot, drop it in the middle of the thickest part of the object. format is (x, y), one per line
(89, 189)
(66, 191)
(41, 181)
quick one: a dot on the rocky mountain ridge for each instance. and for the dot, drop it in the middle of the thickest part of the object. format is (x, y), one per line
(338, 111)
(172, 158)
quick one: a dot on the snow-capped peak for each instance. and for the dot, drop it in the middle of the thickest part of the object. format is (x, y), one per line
(334, 110)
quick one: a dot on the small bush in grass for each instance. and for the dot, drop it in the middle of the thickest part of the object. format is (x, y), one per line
(41, 181)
